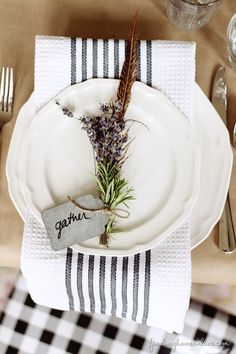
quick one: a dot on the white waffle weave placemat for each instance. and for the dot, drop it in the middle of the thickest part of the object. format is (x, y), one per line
(151, 287)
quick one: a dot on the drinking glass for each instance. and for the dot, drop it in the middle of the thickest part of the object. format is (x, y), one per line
(231, 41)
(190, 14)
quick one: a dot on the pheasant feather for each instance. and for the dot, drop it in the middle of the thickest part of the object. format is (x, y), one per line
(128, 73)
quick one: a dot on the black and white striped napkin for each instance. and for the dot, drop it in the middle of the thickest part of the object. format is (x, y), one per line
(151, 287)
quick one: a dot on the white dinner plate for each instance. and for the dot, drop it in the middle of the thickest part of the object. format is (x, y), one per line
(163, 165)
(215, 169)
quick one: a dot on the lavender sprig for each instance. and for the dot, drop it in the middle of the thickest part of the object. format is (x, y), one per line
(65, 110)
(107, 133)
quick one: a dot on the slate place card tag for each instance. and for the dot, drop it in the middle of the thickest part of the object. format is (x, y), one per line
(67, 224)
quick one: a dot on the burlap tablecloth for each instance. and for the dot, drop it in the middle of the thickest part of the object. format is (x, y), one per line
(20, 21)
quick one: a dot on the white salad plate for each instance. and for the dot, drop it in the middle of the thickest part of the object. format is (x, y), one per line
(213, 141)
(163, 166)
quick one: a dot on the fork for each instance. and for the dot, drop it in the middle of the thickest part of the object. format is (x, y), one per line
(6, 96)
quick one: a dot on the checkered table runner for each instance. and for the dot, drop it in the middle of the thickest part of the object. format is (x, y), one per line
(27, 328)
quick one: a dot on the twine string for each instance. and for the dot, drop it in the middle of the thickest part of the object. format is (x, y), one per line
(120, 213)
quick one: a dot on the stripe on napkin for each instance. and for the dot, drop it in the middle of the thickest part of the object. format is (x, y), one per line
(114, 285)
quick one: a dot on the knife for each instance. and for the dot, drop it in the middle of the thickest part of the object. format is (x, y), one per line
(227, 239)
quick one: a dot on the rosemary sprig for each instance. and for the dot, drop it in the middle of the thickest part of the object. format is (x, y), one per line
(114, 190)
(112, 187)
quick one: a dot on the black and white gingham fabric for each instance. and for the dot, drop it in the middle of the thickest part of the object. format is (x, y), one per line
(29, 328)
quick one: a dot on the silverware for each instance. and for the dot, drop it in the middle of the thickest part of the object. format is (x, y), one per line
(6, 96)
(227, 238)
(234, 136)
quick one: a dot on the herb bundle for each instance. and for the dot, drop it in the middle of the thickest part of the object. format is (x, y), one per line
(108, 135)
